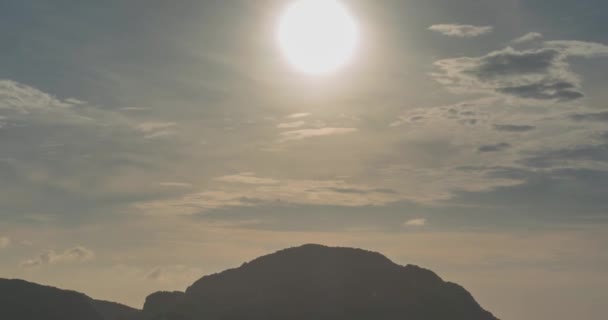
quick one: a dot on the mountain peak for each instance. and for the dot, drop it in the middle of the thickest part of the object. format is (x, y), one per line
(320, 282)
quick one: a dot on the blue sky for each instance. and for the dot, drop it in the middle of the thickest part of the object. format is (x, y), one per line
(146, 143)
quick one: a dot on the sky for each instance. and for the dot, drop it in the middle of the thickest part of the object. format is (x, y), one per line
(144, 144)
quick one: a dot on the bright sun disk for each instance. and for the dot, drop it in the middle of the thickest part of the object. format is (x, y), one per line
(317, 36)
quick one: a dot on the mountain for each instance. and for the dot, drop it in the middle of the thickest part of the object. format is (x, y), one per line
(320, 283)
(114, 311)
(22, 300)
(302, 283)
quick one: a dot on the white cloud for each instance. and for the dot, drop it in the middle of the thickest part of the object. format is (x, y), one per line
(76, 254)
(528, 37)
(291, 125)
(461, 30)
(25, 99)
(24, 103)
(153, 130)
(298, 115)
(309, 133)
(419, 222)
(4, 242)
(246, 178)
(154, 126)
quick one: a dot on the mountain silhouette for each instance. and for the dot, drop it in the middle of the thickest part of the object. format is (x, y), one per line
(22, 300)
(318, 282)
(311, 282)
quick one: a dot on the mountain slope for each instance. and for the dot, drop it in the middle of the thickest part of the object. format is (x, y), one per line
(317, 282)
(114, 311)
(29, 301)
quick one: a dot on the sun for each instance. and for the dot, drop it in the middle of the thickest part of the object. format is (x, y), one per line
(317, 36)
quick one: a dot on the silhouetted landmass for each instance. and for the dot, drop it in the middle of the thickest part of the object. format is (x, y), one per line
(162, 304)
(114, 311)
(317, 282)
(310, 282)
(22, 300)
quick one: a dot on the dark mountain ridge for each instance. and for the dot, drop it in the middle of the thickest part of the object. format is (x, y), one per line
(22, 300)
(318, 282)
(302, 283)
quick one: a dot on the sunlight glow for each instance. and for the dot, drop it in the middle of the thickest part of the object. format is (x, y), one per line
(317, 36)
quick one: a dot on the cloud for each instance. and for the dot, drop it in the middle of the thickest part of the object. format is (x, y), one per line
(362, 191)
(597, 117)
(73, 161)
(5, 242)
(246, 178)
(298, 115)
(291, 125)
(248, 190)
(466, 113)
(310, 133)
(538, 74)
(415, 222)
(513, 128)
(580, 156)
(528, 37)
(575, 48)
(24, 99)
(76, 254)
(461, 30)
(175, 184)
(560, 91)
(554, 190)
(494, 147)
(510, 62)
(153, 130)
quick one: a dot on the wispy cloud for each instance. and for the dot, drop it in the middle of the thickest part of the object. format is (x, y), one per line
(575, 48)
(25, 99)
(153, 130)
(513, 127)
(310, 133)
(76, 254)
(461, 30)
(246, 178)
(246, 190)
(528, 37)
(592, 116)
(494, 147)
(172, 184)
(419, 222)
(298, 115)
(291, 125)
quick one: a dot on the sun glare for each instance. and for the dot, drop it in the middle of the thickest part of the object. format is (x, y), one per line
(317, 36)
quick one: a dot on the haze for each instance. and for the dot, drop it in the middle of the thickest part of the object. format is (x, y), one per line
(144, 144)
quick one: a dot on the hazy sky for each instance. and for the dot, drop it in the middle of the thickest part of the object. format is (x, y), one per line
(144, 144)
